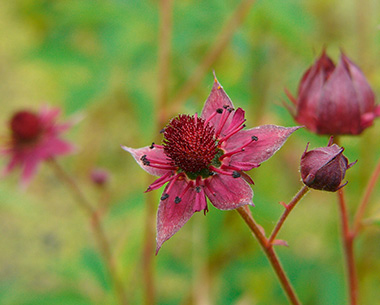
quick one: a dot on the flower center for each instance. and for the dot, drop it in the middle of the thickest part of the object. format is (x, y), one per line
(25, 126)
(190, 143)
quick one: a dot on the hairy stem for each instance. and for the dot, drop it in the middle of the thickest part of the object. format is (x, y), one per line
(348, 243)
(288, 208)
(245, 213)
(96, 225)
(212, 55)
(367, 195)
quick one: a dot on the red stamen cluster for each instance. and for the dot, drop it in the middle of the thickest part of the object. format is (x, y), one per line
(190, 143)
(25, 126)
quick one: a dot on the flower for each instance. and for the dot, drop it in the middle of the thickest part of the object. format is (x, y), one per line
(324, 168)
(334, 100)
(206, 156)
(34, 138)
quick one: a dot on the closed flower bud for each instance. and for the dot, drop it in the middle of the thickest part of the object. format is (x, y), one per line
(324, 168)
(99, 176)
(334, 100)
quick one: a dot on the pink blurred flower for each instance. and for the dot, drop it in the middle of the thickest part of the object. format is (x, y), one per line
(99, 176)
(206, 156)
(34, 138)
(334, 100)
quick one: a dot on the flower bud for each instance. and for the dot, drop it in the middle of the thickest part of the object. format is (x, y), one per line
(334, 100)
(99, 176)
(324, 168)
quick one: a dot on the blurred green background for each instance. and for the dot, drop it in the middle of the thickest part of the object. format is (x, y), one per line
(99, 59)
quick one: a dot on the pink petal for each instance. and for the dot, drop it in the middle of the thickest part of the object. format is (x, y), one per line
(200, 203)
(172, 216)
(227, 193)
(155, 153)
(270, 140)
(216, 100)
(49, 115)
(237, 120)
(30, 165)
(10, 166)
(53, 146)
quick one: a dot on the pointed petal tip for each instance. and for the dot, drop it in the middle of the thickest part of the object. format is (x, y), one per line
(124, 147)
(215, 78)
(158, 247)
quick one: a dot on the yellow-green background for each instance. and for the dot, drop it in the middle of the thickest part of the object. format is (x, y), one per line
(99, 60)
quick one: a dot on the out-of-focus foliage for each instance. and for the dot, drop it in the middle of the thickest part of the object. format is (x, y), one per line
(99, 59)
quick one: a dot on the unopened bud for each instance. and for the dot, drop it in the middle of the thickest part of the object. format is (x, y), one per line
(324, 168)
(99, 176)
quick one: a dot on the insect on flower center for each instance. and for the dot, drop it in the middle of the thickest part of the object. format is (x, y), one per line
(190, 143)
(25, 126)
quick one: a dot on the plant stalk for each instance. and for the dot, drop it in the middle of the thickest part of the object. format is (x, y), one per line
(245, 213)
(364, 202)
(96, 225)
(288, 208)
(348, 243)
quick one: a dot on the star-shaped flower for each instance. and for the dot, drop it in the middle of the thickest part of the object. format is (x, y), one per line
(34, 138)
(206, 156)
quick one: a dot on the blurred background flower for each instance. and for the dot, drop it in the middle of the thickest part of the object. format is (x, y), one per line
(34, 138)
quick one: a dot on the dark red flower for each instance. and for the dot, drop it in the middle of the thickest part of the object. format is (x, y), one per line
(206, 156)
(324, 168)
(334, 100)
(34, 138)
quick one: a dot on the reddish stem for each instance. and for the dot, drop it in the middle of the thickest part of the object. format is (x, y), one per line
(148, 251)
(364, 202)
(96, 224)
(164, 47)
(245, 213)
(348, 241)
(288, 208)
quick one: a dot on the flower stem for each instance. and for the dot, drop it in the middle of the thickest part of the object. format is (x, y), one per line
(364, 202)
(164, 50)
(348, 241)
(99, 234)
(212, 55)
(288, 208)
(245, 213)
(148, 251)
